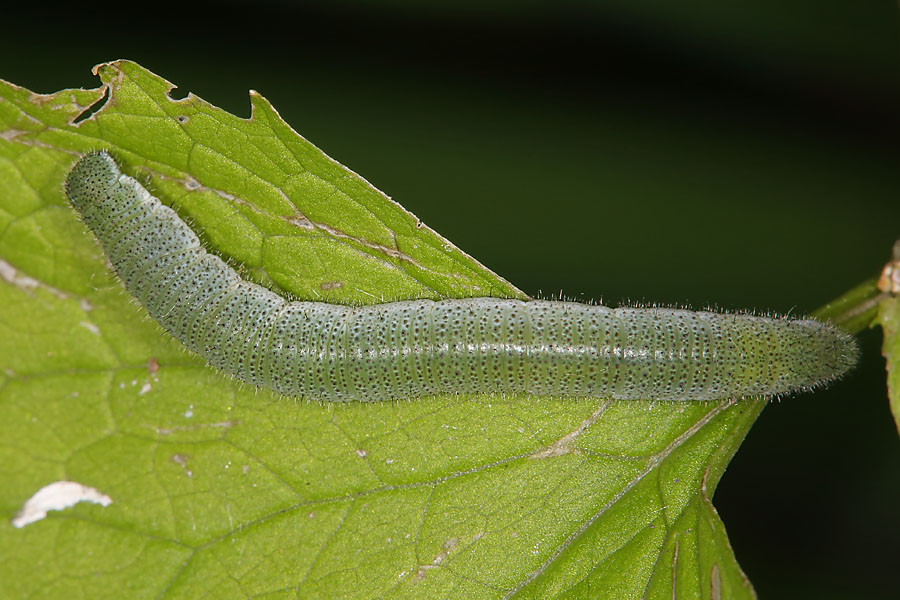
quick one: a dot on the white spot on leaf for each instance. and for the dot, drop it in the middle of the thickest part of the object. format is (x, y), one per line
(57, 496)
(90, 327)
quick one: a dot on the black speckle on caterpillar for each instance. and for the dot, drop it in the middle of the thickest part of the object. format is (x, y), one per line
(424, 347)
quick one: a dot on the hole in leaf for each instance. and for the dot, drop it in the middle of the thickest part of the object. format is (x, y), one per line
(93, 109)
(176, 94)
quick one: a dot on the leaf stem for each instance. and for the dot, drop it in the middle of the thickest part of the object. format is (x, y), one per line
(855, 310)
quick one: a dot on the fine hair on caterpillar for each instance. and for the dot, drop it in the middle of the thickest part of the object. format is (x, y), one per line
(420, 348)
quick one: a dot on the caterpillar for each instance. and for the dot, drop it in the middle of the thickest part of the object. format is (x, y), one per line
(416, 348)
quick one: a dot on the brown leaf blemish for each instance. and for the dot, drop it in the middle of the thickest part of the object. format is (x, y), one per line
(181, 461)
(331, 285)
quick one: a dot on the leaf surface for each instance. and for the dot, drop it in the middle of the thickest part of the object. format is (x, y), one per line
(219, 489)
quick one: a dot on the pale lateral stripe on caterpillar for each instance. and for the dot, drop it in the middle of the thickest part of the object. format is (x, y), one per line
(424, 347)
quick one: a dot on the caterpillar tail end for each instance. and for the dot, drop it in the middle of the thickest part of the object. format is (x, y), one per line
(833, 353)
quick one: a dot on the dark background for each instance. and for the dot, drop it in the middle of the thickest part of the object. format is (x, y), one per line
(682, 153)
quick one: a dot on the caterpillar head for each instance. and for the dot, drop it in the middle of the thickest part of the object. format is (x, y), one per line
(91, 181)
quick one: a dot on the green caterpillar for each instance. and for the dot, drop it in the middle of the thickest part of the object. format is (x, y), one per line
(425, 347)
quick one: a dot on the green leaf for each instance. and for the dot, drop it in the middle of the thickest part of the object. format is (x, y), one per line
(889, 319)
(219, 489)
